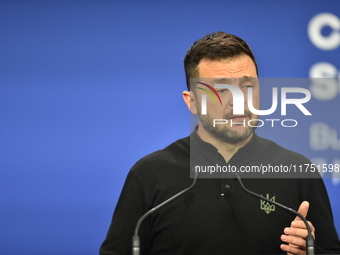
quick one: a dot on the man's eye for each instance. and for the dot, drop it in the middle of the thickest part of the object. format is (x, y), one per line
(222, 91)
(246, 86)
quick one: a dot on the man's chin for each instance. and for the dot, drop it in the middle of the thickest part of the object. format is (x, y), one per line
(231, 136)
(238, 131)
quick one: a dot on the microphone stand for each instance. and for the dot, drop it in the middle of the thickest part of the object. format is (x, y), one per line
(135, 238)
(309, 239)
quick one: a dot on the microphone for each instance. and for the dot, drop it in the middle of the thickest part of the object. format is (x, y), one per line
(135, 238)
(309, 239)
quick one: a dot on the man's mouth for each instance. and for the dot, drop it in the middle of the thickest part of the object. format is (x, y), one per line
(238, 117)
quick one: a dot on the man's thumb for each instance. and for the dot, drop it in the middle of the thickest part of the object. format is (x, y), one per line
(303, 210)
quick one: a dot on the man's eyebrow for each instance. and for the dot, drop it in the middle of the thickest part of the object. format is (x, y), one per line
(230, 80)
(222, 80)
(248, 78)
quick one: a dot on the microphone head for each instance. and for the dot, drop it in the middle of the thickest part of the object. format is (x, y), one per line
(237, 176)
(194, 174)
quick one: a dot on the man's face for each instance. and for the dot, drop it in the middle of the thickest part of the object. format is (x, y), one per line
(240, 72)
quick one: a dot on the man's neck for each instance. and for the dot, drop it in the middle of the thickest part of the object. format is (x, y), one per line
(227, 150)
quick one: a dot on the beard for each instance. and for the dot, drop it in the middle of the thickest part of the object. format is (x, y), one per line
(225, 133)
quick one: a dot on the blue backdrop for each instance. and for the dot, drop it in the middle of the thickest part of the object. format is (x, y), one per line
(87, 88)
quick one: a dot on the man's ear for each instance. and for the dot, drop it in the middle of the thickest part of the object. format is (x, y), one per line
(190, 101)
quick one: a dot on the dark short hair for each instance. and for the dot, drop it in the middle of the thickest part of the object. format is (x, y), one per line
(214, 46)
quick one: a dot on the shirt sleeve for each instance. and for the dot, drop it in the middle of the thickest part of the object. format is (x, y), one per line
(320, 215)
(130, 207)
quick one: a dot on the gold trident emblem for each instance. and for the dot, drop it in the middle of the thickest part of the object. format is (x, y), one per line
(266, 206)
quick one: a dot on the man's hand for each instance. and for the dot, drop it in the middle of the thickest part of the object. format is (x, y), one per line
(296, 234)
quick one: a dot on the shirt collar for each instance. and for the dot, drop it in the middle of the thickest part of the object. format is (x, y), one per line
(196, 141)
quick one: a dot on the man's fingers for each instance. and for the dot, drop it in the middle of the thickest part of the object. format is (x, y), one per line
(298, 232)
(297, 242)
(295, 225)
(295, 235)
(296, 245)
(301, 224)
(291, 249)
(303, 210)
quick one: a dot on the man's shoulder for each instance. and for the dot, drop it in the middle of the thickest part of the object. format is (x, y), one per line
(176, 153)
(272, 149)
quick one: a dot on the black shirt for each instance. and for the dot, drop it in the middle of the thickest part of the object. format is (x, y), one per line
(216, 216)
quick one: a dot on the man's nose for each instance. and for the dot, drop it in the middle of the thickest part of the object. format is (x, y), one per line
(231, 100)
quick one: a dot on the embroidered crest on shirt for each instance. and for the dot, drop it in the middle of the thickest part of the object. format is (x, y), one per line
(266, 206)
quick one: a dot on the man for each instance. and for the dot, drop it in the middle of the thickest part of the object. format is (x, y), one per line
(216, 216)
